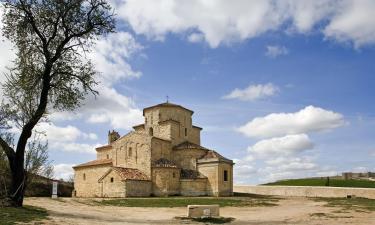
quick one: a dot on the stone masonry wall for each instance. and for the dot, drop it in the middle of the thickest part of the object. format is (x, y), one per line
(133, 151)
(211, 172)
(137, 188)
(329, 192)
(225, 187)
(193, 187)
(89, 187)
(104, 153)
(160, 149)
(165, 181)
(112, 186)
(187, 159)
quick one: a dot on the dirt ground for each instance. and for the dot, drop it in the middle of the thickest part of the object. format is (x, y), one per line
(289, 211)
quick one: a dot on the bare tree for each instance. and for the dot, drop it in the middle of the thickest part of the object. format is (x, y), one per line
(37, 162)
(50, 71)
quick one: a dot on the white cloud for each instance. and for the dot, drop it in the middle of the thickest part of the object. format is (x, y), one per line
(288, 145)
(68, 138)
(223, 22)
(309, 119)
(63, 171)
(353, 22)
(111, 55)
(253, 92)
(196, 37)
(63, 134)
(118, 110)
(274, 51)
(74, 147)
(360, 169)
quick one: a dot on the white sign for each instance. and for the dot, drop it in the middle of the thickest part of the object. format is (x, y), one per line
(54, 189)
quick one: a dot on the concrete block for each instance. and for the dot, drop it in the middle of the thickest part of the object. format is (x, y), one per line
(197, 211)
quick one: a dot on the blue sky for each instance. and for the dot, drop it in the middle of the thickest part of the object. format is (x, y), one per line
(285, 88)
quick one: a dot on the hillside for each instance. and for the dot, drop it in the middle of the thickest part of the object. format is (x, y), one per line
(323, 181)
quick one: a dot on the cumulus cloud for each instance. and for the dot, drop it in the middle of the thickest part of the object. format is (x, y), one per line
(65, 134)
(287, 145)
(309, 119)
(253, 92)
(274, 51)
(74, 147)
(63, 171)
(285, 142)
(111, 55)
(354, 22)
(223, 22)
(195, 37)
(68, 138)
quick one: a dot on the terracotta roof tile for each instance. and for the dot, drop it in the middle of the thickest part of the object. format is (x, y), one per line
(95, 163)
(191, 174)
(167, 104)
(162, 162)
(213, 154)
(103, 147)
(188, 145)
(130, 173)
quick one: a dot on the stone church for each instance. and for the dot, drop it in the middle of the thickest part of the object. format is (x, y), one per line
(161, 157)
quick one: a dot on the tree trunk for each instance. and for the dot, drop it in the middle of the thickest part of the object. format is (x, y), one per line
(18, 185)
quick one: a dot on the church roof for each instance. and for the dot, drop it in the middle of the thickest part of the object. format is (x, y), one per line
(95, 163)
(139, 125)
(212, 155)
(162, 162)
(130, 173)
(188, 145)
(167, 104)
(190, 174)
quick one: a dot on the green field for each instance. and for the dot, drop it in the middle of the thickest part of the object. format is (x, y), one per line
(26, 214)
(323, 182)
(184, 201)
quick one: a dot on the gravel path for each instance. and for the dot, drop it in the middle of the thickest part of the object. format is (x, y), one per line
(289, 211)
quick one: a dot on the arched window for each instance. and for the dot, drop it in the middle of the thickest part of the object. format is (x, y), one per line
(107, 156)
(130, 152)
(185, 132)
(112, 179)
(151, 131)
(84, 176)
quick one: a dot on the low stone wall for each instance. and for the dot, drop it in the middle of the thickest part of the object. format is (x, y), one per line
(193, 187)
(307, 191)
(137, 188)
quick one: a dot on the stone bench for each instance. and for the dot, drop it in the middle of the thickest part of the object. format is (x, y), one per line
(198, 211)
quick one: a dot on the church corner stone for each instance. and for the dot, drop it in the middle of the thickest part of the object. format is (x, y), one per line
(161, 157)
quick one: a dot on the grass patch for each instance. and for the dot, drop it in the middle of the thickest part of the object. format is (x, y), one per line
(184, 201)
(209, 220)
(322, 182)
(26, 214)
(356, 204)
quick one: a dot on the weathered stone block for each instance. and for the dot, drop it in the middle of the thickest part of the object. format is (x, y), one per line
(197, 211)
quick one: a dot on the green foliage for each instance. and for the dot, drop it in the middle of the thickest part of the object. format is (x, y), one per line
(184, 201)
(323, 182)
(10, 215)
